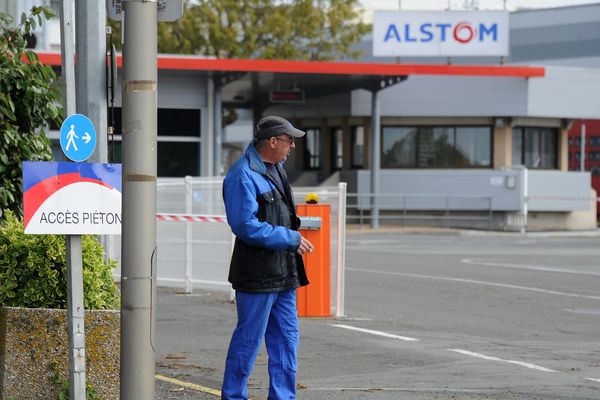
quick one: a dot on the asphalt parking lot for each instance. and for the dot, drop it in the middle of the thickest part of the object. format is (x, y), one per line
(428, 316)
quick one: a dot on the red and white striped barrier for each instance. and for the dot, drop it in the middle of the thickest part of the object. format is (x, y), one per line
(219, 219)
(563, 198)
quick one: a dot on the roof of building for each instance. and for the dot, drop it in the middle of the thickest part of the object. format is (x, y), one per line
(196, 63)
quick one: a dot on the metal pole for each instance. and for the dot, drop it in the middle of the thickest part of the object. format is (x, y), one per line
(231, 248)
(188, 235)
(139, 154)
(91, 70)
(341, 250)
(218, 162)
(207, 146)
(525, 200)
(375, 144)
(582, 149)
(90, 45)
(75, 316)
(75, 310)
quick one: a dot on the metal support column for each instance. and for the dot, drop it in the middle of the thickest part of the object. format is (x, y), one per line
(218, 123)
(341, 251)
(75, 316)
(139, 153)
(90, 69)
(75, 310)
(375, 159)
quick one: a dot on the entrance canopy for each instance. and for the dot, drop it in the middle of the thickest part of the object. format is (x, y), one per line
(248, 83)
(251, 84)
(245, 83)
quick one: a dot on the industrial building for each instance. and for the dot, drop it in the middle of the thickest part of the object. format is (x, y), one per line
(473, 136)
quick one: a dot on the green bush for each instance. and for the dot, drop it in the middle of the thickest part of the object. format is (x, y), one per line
(33, 270)
(29, 101)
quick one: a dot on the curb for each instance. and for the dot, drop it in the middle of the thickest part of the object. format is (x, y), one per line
(470, 232)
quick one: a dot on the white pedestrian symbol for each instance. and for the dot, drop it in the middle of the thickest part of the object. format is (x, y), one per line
(71, 136)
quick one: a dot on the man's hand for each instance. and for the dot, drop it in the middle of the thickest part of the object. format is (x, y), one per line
(305, 246)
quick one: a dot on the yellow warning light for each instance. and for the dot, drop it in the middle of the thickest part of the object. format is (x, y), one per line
(312, 198)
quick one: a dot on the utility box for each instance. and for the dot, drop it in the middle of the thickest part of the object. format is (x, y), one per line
(314, 300)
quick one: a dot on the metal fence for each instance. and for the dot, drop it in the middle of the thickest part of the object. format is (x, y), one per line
(195, 242)
(409, 209)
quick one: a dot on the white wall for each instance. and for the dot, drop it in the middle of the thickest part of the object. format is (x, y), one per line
(565, 93)
(433, 96)
(176, 89)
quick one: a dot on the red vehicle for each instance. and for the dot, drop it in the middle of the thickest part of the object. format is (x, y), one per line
(592, 151)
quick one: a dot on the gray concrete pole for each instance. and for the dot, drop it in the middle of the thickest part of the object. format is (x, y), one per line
(75, 310)
(91, 70)
(375, 159)
(218, 122)
(139, 153)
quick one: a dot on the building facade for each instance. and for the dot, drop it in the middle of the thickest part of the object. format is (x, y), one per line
(441, 136)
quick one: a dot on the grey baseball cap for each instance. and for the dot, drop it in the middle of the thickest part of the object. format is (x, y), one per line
(275, 126)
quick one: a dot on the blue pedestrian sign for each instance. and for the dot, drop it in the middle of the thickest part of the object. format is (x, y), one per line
(77, 137)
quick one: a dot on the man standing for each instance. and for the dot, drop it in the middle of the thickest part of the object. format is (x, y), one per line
(266, 264)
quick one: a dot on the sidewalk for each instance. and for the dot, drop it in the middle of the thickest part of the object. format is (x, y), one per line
(170, 391)
(192, 336)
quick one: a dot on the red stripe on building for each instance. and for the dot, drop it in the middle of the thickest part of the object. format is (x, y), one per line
(194, 63)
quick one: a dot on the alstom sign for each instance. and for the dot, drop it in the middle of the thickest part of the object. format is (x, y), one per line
(447, 33)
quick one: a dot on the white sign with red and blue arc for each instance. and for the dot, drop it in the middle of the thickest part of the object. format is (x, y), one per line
(72, 198)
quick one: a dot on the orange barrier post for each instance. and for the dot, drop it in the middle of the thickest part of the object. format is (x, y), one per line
(314, 300)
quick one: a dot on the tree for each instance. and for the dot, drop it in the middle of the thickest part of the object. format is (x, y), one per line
(265, 29)
(29, 100)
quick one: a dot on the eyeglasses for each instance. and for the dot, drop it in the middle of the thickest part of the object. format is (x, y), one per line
(289, 139)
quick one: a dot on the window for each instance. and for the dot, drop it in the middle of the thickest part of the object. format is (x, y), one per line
(358, 146)
(170, 122)
(399, 147)
(337, 147)
(473, 147)
(57, 152)
(178, 141)
(436, 147)
(177, 122)
(517, 147)
(312, 160)
(114, 151)
(535, 147)
(178, 158)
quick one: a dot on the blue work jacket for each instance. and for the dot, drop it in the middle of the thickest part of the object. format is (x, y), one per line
(263, 219)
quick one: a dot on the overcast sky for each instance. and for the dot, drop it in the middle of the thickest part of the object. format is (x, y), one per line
(371, 5)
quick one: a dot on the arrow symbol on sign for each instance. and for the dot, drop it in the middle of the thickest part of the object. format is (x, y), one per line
(87, 137)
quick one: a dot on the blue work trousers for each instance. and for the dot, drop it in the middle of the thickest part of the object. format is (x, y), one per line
(274, 317)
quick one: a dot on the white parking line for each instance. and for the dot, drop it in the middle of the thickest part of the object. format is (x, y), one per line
(502, 285)
(593, 379)
(528, 267)
(490, 358)
(378, 333)
(445, 390)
